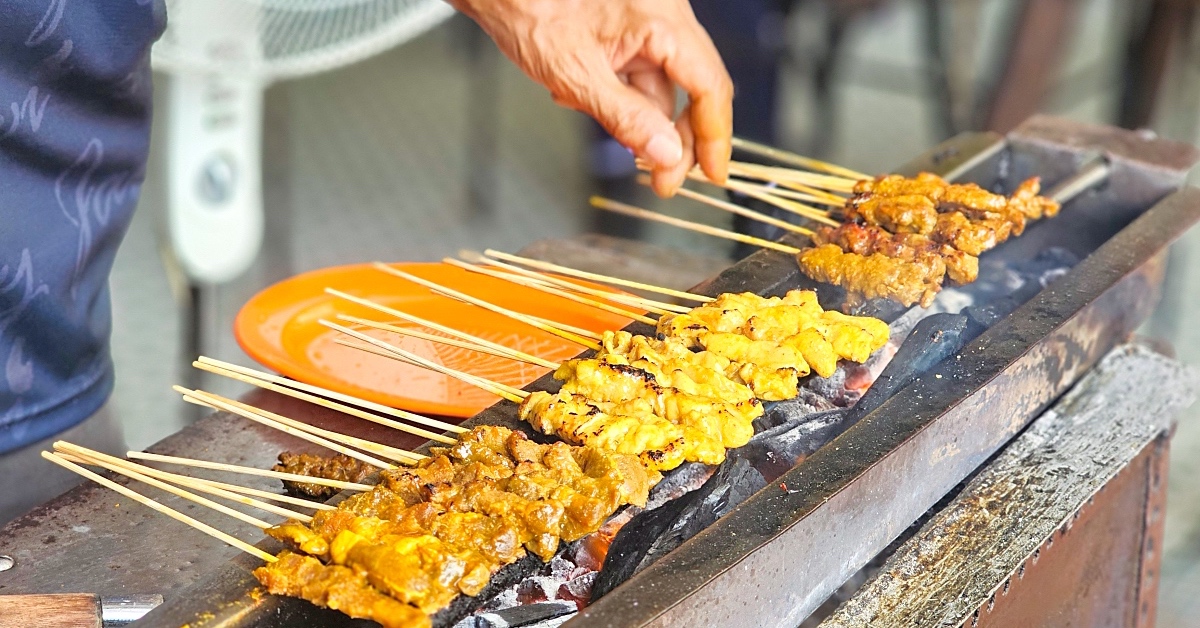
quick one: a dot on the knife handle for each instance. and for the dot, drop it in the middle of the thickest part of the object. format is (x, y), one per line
(65, 610)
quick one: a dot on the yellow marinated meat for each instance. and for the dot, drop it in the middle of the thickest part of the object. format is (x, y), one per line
(673, 364)
(339, 588)
(429, 533)
(771, 370)
(875, 276)
(657, 442)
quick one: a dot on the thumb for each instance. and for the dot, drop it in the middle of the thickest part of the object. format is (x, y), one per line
(633, 119)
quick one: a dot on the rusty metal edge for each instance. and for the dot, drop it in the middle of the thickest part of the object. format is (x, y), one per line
(862, 475)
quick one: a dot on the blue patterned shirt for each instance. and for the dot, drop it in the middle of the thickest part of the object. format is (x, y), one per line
(74, 133)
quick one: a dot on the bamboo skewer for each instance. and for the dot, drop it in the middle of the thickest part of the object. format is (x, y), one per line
(582, 274)
(325, 403)
(524, 318)
(324, 392)
(650, 305)
(204, 399)
(160, 479)
(637, 212)
(396, 454)
(828, 197)
(788, 157)
(440, 339)
(515, 395)
(811, 213)
(775, 190)
(430, 324)
(461, 344)
(166, 510)
(231, 468)
(734, 208)
(553, 290)
(776, 174)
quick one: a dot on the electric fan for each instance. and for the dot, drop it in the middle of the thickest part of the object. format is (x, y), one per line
(221, 55)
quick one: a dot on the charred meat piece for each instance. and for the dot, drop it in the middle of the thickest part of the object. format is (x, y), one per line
(962, 267)
(876, 275)
(337, 467)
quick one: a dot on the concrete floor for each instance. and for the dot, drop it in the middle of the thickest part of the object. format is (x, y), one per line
(369, 162)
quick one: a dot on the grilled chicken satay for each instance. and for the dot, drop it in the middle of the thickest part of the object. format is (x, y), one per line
(795, 320)
(336, 467)
(657, 442)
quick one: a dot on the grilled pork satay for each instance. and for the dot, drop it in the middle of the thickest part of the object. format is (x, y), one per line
(336, 467)
(876, 275)
(866, 240)
(337, 587)
(443, 528)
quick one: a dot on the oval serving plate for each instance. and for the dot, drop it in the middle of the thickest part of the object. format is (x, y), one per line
(279, 328)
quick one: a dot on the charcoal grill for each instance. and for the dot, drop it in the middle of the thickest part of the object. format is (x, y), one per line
(779, 554)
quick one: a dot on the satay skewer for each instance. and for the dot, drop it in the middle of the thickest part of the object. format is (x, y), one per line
(583, 274)
(552, 290)
(525, 318)
(204, 399)
(166, 510)
(637, 212)
(390, 311)
(330, 394)
(515, 395)
(650, 305)
(780, 175)
(325, 403)
(791, 158)
(166, 482)
(232, 468)
(734, 208)
(775, 190)
(452, 342)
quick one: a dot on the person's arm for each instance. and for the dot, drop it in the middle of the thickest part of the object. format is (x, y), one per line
(619, 61)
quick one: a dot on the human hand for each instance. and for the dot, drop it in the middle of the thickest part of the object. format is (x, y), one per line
(619, 61)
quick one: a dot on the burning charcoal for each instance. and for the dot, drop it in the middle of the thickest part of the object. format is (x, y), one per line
(540, 615)
(933, 339)
(578, 589)
(1047, 265)
(791, 410)
(652, 534)
(685, 478)
(832, 388)
(774, 451)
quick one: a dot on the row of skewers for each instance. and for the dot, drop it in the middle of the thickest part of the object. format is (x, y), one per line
(441, 525)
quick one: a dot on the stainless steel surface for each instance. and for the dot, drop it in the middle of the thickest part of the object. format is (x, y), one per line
(126, 609)
(780, 554)
(982, 554)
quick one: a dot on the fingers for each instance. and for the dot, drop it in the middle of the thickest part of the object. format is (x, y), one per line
(666, 181)
(691, 60)
(655, 86)
(632, 117)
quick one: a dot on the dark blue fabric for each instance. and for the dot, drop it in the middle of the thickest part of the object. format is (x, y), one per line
(74, 133)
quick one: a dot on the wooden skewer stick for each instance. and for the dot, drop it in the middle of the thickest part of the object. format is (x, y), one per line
(811, 213)
(325, 403)
(396, 454)
(828, 198)
(776, 190)
(324, 392)
(524, 318)
(204, 399)
(430, 324)
(734, 208)
(789, 157)
(552, 325)
(771, 173)
(553, 290)
(384, 349)
(461, 344)
(166, 510)
(232, 468)
(153, 477)
(637, 212)
(582, 274)
(432, 338)
(650, 305)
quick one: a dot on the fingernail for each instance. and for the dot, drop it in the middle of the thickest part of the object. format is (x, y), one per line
(665, 149)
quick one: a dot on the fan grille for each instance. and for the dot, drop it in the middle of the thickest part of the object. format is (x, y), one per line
(276, 39)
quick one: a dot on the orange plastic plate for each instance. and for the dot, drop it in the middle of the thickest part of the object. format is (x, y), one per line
(279, 328)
